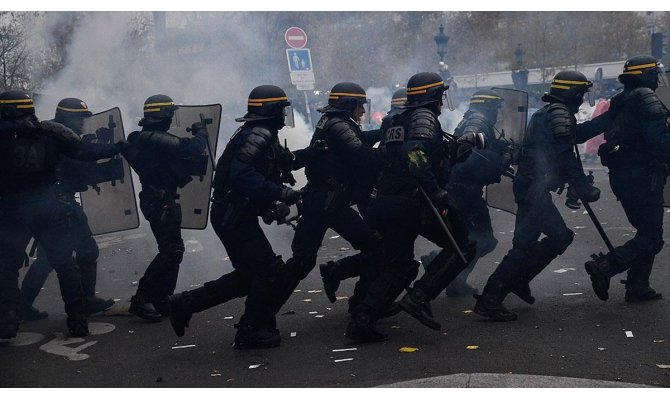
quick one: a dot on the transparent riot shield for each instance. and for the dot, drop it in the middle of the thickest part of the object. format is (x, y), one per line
(194, 197)
(511, 127)
(663, 90)
(109, 201)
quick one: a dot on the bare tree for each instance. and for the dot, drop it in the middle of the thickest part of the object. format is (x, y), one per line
(13, 53)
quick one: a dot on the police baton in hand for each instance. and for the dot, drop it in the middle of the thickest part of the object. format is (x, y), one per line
(444, 226)
(589, 210)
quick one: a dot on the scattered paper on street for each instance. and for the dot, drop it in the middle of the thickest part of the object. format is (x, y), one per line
(344, 359)
(349, 349)
(472, 347)
(253, 366)
(629, 333)
(183, 347)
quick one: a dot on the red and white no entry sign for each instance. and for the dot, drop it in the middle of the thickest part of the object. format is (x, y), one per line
(295, 37)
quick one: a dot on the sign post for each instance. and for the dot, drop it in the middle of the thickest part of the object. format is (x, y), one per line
(300, 63)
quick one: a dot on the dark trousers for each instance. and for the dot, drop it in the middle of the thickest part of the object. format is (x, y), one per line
(536, 215)
(47, 219)
(164, 216)
(86, 258)
(401, 220)
(644, 209)
(316, 218)
(478, 221)
(254, 263)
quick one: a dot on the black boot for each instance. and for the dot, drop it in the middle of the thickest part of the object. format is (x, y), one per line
(391, 310)
(248, 337)
(330, 278)
(77, 325)
(523, 292)
(417, 306)
(180, 312)
(9, 324)
(600, 270)
(143, 309)
(30, 313)
(95, 305)
(640, 291)
(489, 303)
(361, 330)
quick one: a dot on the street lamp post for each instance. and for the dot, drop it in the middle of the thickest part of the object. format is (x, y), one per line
(441, 40)
(520, 73)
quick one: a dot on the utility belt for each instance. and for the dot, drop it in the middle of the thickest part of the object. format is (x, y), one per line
(337, 194)
(232, 206)
(160, 194)
(30, 194)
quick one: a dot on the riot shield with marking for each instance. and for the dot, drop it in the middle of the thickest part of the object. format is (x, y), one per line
(194, 197)
(511, 127)
(109, 201)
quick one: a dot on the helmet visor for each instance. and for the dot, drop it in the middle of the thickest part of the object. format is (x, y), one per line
(289, 118)
(662, 76)
(447, 100)
(367, 106)
(590, 97)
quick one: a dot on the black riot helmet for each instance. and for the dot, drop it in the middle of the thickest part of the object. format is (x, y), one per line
(158, 109)
(268, 102)
(399, 98)
(425, 88)
(568, 87)
(486, 100)
(345, 96)
(15, 104)
(71, 112)
(641, 71)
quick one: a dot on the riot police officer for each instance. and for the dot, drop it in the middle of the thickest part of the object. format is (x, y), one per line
(248, 184)
(31, 207)
(333, 185)
(164, 163)
(547, 162)
(333, 272)
(637, 155)
(468, 179)
(72, 178)
(416, 153)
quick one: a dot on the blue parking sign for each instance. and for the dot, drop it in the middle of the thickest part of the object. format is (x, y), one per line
(299, 60)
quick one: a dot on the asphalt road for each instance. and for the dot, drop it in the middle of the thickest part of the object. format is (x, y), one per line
(567, 333)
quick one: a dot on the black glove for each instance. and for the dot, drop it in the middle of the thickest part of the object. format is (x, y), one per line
(584, 186)
(198, 128)
(104, 135)
(319, 145)
(443, 201)
(289, 196)
(466, 143)
(121, 145)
